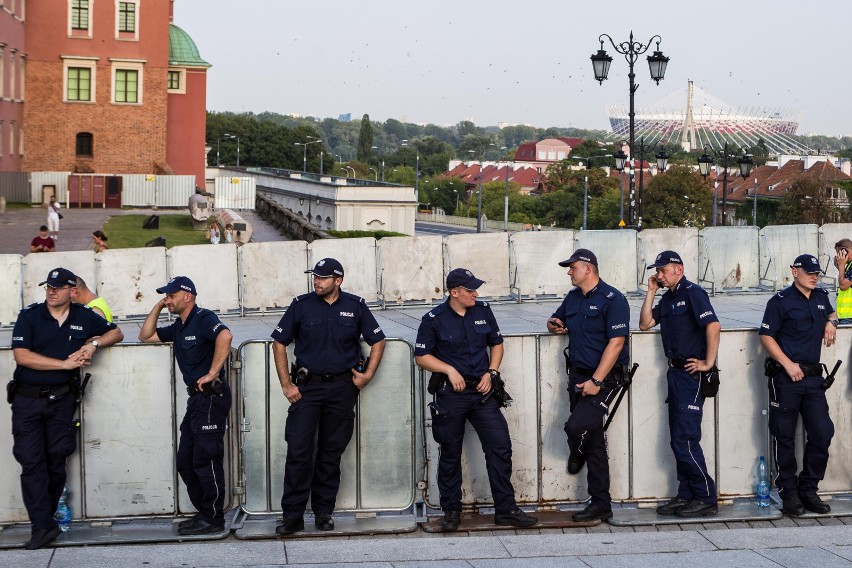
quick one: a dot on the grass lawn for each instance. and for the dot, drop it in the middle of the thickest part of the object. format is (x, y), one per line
(125, 231)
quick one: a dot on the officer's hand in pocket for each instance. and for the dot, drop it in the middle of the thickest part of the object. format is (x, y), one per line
(588, 388)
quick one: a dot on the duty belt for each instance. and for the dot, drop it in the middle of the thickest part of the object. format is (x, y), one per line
(679, 363)
(42, 391)
(330, 377)
(811, 369)
(581, 371)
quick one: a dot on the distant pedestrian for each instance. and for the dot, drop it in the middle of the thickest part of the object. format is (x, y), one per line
(53, 217)
(229, 233)
(43, 242)
(213, 233)
(99, 241)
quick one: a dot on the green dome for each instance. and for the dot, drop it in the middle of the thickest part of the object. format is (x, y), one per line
(182, 50)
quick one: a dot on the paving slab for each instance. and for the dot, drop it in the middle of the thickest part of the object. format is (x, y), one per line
(542, 562)
(715, 559)
(754, 539)
(263, 527)
(168, 556)
(805, 557)
(606, 543)
(841, 551)
(397, 550)
(740, 510)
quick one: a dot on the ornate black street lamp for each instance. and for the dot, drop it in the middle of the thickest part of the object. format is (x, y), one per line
(705, 161)
(631, 50)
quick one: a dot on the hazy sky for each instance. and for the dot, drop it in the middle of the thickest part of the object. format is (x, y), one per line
(517, 62)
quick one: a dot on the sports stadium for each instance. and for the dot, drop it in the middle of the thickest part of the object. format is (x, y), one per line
(692, 117)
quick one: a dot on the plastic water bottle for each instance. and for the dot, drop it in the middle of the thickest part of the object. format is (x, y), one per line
(63, 511)
(762, 483)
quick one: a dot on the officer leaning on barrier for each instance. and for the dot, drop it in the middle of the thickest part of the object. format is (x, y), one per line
(690, 331)
(797, 319)
(201, 347)
(51, 341)
(597, 318)
(322, 387)
(460, 343)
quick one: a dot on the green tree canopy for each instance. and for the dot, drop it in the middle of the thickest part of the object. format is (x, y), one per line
(676, 198)
(807, 201)
(365, 140)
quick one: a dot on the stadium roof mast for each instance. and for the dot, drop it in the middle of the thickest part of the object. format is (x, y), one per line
(657, 63)
(688, 139)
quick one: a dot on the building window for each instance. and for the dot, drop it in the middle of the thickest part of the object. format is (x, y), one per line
(2, 63)
(126, 86)
(174, 80)
(85, 143)
(79, 84)
(177, 81)
(127, 17)
(80, 14)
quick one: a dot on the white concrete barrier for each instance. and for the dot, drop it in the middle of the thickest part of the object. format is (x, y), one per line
(654, 241)
(36, 268)
(128, 279)
(10, 288)
(780, 245)
(272, 274)
(616, 252)
(358, 257)
(729, 257)
(411, 268)
(829, 234)
(534, 262)
(213, 270)
(484, 254)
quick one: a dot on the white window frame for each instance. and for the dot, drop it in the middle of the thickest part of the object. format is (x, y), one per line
(89, 62)
(137, 65)
(12, 138)
(78, 33)
(118, 33)
(181, 90)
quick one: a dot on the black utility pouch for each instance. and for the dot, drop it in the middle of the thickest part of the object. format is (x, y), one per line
(710, 382)
(11, 388)
(771, 367)
(299, 375)
(436, 381)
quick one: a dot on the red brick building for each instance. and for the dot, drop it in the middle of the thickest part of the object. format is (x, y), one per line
(12, 65)
(112, 87)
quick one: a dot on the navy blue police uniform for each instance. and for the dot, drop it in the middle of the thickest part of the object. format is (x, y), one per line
(44, 405)
(797, 324)
(462, 342)
(592, 320)
(201, 449)
(683, 312)
(327, 347)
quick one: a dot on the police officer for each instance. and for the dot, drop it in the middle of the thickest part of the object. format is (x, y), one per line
(461, 339)
(201, 346)
(796, 320)
(322, 388)
(690, 331)
(597, 318)
(51, 341)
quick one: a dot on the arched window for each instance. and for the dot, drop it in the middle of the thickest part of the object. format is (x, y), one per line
(85, 144)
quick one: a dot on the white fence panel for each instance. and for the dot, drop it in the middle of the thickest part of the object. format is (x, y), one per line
(484, 254)
(235, 192)
(272, 274)
(138, 190)
(534, 262)
(652, 462)
(358, 257)
(174, 191)
(57, 179)
(616, 252)
(729, 257)
(127, 433)
(213, 270)
(411, 268)
(10, 287)
(38, 266)
(780, 245)
(128, 279)
(683, 241)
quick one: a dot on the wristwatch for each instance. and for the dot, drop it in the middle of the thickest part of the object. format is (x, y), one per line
(495, 374)
(833, 322)
(95, 343)
(596, 382)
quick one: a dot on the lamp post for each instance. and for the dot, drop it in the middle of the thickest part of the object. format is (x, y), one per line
(231, 137)
(322, 154)
(620, 160)
(304, 146)
(350, 168)
(631, 50)
(218, 144)
(706, 160)
(586, 184)
(754, 211)
(375, 172)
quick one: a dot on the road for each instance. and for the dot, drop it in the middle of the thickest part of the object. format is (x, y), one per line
(421, 228)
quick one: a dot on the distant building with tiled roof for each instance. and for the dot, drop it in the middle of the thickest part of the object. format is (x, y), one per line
(468, 172)
(539, 155)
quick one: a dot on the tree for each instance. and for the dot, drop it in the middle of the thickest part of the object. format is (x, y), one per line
(807, 201)
(365, 140)
(676, 198)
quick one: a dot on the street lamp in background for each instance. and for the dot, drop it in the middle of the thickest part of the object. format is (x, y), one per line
(416, 171)
(350, 168)
(631, 50)
(586, 184)
(383, 162)
(231, 137)
(706, 160)
(620, 160)
(375, 172)
(305, 152)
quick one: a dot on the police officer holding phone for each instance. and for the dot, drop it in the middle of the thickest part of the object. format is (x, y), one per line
(797, 320)
(51, 342)
(460, 340)
(322, 387)
(201, 347)
(690, 331)
(597, 318)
